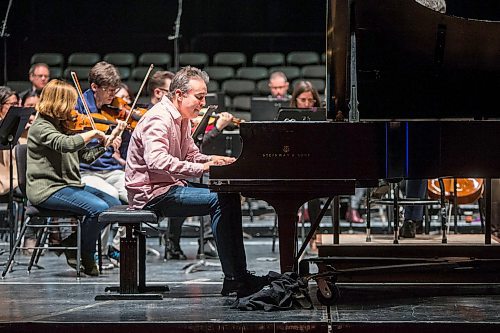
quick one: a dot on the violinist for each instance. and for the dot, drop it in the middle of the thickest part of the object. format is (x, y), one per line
(105, 173)
(53, 175)
(124, 93)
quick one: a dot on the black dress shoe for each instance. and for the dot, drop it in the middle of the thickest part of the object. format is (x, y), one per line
(408, 229)
(209, 249)
(244, 286)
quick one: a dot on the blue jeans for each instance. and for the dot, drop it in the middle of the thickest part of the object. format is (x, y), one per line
(225, 212)
(88, 202)
(415, 188)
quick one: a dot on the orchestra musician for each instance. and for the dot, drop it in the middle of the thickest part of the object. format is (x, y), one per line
(278, 85)
(53, 174)
(162, 156)
(105, 173)
(39, 76)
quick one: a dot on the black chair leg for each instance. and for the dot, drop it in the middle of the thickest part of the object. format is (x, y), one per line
(14, 250)
(37, 252)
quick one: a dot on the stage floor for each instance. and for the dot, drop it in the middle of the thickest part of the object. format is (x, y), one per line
(52, 300)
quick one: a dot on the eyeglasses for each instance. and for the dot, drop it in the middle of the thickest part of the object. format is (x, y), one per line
(277, 87)
(164, 90)
(39, 76)
(110, 90)
(308, 100)
(10, 103)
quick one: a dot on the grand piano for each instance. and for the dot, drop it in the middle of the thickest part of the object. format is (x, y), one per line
(412, 94)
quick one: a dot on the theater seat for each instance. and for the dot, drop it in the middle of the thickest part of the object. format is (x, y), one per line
(195, 59)
(83, 59)
(233, 59)
(158, 59)
(302, 58)
(268, 59)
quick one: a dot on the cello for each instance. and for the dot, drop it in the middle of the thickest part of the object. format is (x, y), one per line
(468, 190)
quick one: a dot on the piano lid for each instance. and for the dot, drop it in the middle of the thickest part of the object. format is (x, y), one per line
(413, 62)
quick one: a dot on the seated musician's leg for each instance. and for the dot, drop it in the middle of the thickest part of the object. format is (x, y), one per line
(88, 202)
(225, 212)
(413, 221)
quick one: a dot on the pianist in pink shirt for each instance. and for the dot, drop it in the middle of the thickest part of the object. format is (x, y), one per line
(161, 158)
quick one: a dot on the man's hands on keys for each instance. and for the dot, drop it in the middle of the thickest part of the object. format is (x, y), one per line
(218, 160)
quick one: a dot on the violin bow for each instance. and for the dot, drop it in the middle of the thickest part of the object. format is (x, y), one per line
(84, 102)
(139, 92)
(119, 133)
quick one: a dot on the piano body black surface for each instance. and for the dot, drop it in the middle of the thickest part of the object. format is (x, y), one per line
(289, 163)
(397, 60)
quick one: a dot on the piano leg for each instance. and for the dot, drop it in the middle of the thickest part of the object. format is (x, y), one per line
(286, 209)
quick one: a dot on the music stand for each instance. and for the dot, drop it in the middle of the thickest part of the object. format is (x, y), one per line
(11, 128)
(198, 134)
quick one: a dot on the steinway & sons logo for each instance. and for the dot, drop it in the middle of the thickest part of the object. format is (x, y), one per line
(286, 152)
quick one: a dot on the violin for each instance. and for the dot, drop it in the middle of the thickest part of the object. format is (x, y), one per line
(235, 122)
(119, 110)
(80, 122)
(469, 190)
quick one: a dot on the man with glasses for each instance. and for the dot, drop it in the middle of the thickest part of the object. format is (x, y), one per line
(39, 75)
(105, 173)
(278, 85)
(158, 86)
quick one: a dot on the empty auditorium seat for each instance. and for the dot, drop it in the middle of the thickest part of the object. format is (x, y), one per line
(252, 73)
(233, 59)
(302, 58)
(314, 71)
(268, 59)
(158, 59)
(238, 87)
(219, 73)
(81, 71)
(196, 59)
(83, 59)
(125, 59)
(51, 59)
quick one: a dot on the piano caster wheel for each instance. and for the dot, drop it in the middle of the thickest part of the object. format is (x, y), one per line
(328, 293)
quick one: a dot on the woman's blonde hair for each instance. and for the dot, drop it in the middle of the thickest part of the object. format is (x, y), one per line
(57, 100)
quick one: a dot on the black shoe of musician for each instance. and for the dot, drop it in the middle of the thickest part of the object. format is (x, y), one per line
(209, 249)
(408, 229)
(173, 251)
(419, 227)
(244, 286)
(89, 266)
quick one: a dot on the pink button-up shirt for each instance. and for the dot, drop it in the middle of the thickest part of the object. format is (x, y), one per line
(161, 154)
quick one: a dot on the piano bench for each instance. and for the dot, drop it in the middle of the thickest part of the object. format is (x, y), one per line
(132, 255)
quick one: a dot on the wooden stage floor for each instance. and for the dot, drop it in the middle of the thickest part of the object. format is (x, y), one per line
(52, 300)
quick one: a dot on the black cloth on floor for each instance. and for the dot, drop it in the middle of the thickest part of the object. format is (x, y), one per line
(287, 291)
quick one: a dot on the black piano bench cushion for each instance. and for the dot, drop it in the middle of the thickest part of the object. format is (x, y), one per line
(122, 214)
